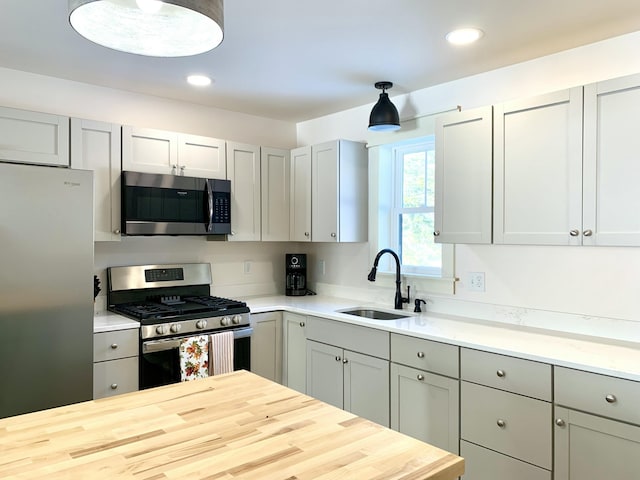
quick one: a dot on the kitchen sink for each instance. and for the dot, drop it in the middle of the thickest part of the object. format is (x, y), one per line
(373, 314)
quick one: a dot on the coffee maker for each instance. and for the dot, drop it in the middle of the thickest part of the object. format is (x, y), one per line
(296, 274)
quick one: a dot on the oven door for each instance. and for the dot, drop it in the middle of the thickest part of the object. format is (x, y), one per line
(160, 362)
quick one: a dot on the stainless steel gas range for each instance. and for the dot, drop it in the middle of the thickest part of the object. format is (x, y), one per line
(173, 302)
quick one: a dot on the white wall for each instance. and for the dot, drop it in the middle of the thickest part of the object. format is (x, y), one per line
(591, 281)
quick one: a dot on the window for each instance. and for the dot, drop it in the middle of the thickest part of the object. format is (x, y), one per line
(402, 213)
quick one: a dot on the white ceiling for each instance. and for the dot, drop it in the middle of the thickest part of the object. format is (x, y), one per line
(299, 59)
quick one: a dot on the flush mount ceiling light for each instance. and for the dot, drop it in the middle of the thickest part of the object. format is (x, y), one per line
(464, 36)
(171, 28)
(199, 80)
(384, 115)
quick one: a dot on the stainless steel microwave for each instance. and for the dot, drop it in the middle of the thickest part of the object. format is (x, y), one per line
(155, 204)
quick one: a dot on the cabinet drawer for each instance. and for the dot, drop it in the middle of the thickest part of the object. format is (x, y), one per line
(516, 375)
(600, 394)
(116, 344)
(351, 337)
(425, 355)
(508, 423)
(483, 464)
(115, 377)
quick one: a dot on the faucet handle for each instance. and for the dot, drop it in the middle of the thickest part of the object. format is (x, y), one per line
(408, 299)
(417, 304)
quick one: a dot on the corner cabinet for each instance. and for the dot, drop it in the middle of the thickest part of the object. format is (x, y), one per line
(348, 367)
(158, 151)
(266, 345)
(300, 195)
(538, 170)
(463, 177)
(243, 169)
(597, 426)
(96, 146)
(294, 353)
(339, 192)
(34, 137)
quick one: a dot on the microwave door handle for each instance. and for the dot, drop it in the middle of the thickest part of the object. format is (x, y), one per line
(209, 199)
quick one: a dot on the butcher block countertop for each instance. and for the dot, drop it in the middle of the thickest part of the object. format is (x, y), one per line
(230, 426)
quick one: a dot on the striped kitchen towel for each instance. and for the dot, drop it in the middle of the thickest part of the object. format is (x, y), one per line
(221, 349)
(194, 358)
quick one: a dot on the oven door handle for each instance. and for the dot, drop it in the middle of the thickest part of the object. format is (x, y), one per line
(162, 345)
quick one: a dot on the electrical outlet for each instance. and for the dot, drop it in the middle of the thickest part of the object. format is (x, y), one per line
(247, 267)
(475, 281)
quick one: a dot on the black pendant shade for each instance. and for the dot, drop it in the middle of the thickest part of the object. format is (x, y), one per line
(384, 115)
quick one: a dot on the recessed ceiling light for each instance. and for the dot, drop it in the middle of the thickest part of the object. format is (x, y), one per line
(464, 36)
(199, 80)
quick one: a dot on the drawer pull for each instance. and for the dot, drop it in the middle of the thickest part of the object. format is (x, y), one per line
(420, 377)
(560, 422)
(114, 346)
(611, 398)
(501, 423)
(501, 373)
(420, 354)
(114, 386)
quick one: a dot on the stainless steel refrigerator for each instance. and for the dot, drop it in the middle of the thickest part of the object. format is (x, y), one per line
(46, 287)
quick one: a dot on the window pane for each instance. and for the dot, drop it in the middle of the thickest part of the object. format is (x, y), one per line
(413, 180)
(417, 246)
(431, 168)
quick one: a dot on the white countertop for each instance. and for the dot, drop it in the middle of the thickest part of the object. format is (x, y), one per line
(584, 352)
(594, 354)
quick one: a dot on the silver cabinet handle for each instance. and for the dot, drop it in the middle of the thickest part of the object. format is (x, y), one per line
(501, 373)
(420, 377)
(574, 232)
(436, 233)
(114, 346)
(560, 422)
(302, 324)
(501, 423)
(174, 168)
(420, 354)
(114, 386)
(338, 359)
(117, 231)
(232, 233)
(333, 235)
(587, 232)
(182, 170)
(345, 360)
(611, 398)
(306, 234)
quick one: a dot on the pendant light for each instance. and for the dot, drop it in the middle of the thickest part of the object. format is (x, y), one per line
(171, 28)
(384, 115)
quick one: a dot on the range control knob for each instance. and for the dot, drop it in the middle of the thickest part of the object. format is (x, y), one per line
(175, 328)
(162, 329)
(201, 324)
(236, 319)
(225, 321)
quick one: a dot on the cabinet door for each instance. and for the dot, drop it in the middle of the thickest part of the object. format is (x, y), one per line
(325, 373)
(243, 163)
(275, 167)
(266, 345)
(538, 170)
(300, 207)
(366, 387)
(33, 137)
(425, 406)
(588, 447)
(115, 377)
(148, 150)
(324, 192)
(295, 352)
(463, 177)
(353, 192)
(611, 167)
(484, 464)
(201, 157)
(96, 146)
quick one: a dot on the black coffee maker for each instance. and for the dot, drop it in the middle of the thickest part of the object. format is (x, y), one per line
(296, 271)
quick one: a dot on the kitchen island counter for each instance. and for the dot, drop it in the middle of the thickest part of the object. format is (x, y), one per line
(230, 426)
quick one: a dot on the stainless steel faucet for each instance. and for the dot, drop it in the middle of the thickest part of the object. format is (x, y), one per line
(399, 300)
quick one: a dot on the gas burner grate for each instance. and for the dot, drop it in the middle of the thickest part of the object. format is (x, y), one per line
(216, 303)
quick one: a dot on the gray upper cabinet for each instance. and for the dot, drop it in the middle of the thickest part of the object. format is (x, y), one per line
(463, 177)
(611, 166)
(275, 179)
(33, 137)
(300, 195)
(243, 169)
(96, 146)
(538, 170)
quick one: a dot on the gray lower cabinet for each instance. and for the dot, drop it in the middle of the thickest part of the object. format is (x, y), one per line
(294, 354)
(266, 345)
(349, 380)
(484, 464)
(589, 446)
(115, 362)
